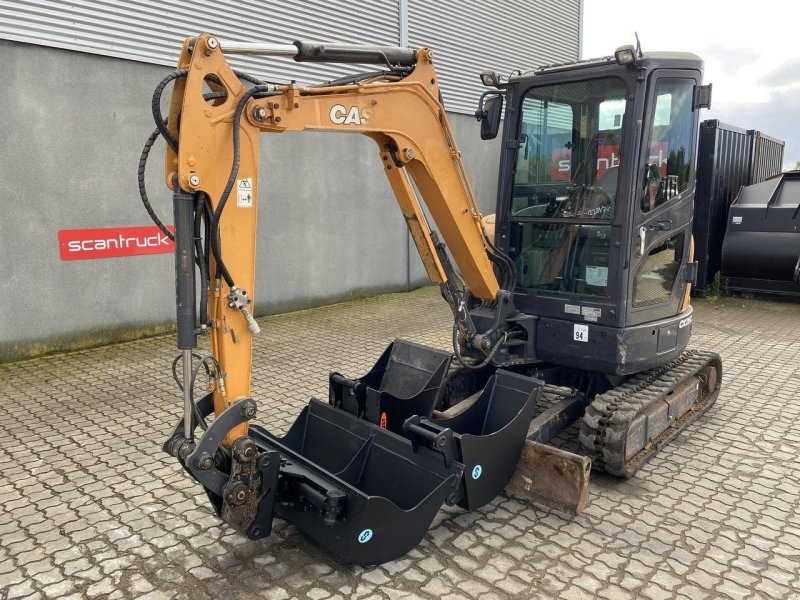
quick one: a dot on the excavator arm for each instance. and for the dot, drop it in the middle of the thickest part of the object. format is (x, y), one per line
(374, 462)
(216, 156)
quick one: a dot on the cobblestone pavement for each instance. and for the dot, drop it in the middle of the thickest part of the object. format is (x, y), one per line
(91, 507)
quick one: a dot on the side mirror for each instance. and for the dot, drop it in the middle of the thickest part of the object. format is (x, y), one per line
(490, 107)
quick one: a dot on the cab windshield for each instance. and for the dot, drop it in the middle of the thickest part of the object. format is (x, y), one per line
(569, 150)
(565, 186)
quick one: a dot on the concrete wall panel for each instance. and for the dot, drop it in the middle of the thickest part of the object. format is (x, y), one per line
(74, 125)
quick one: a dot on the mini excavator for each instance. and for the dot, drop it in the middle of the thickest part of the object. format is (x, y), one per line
(570, 305)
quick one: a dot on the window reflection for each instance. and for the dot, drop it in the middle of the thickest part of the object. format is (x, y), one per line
(668, 164)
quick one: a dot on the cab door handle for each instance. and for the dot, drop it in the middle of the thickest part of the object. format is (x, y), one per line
(661, 225)
(642, 236)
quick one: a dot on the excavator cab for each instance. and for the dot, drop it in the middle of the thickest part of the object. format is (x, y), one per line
(595, 207)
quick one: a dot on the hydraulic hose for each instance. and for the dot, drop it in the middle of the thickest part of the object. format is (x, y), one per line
(486, 361)
(161, 123)
(143, 190)
(212, 218)
(223, 199)
(199, 213)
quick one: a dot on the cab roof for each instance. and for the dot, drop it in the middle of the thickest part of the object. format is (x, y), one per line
(648, 60)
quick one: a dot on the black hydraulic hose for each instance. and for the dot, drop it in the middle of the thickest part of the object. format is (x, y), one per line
(502, 268)
(250, 78)
(512, 268)
(143, 190)
(261, 88)
(223, 199)
(156, 107)
(207, 234)
(460, 359)
(148, 145)
(353, 78)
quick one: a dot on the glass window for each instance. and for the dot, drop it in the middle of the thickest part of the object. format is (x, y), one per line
(668, 164)
(569, 155)
(561, 257)
(655, 277)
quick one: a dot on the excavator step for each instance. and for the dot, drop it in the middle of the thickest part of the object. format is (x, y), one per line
(626, 426)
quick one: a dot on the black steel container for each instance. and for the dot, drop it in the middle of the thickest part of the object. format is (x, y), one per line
(728, 158)
(761, 252)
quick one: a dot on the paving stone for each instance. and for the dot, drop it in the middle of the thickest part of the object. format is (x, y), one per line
(93, 508)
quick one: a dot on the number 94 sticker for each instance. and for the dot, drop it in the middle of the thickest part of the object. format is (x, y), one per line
(580, 333)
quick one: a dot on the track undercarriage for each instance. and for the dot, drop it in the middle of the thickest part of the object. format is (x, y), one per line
(625, 426)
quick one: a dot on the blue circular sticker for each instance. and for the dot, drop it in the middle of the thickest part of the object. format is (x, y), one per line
(476, 472)
(365, 536)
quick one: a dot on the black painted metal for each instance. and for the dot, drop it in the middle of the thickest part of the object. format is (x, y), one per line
(614, 350)
(761, 250)
(489, 435)
(219, 472)
(405, 381)
(728, 158)
(361, 54)
(386, 491)
(558, 417)
(185, 301)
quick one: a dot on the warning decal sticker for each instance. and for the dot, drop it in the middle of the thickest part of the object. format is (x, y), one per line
(244, 192)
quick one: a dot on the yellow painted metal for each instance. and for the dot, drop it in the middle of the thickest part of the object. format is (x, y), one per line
(687, 294)
(403, 116)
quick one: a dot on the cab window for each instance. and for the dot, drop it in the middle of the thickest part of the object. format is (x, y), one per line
(565, 185)
(667, 166)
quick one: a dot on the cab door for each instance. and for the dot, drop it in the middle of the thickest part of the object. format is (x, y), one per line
(664, 199)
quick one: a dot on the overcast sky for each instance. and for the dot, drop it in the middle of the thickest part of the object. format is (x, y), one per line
(752, 55)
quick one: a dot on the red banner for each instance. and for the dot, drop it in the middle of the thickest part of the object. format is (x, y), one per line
(108, 242)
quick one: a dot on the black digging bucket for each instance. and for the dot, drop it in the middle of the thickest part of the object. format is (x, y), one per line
(489, 435)
(399, 394)
(405, 381)
(364, 494)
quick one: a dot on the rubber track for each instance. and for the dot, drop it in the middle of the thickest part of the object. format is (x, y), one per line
(605, 424)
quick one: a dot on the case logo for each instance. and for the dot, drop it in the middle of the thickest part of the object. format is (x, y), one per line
(342, 115)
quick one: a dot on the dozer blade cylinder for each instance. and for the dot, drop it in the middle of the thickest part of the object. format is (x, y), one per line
(551, 477)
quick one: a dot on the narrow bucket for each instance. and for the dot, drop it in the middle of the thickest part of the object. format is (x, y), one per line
(489, 435)
(405, 381)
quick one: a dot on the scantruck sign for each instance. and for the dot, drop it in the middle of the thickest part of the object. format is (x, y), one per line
(108, 242)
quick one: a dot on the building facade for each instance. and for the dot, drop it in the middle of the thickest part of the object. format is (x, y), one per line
(79, 76)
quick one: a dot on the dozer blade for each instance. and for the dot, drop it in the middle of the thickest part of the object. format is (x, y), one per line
(551, 477)
(624, 427)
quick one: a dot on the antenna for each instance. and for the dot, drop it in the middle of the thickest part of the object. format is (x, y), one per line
(638, 45)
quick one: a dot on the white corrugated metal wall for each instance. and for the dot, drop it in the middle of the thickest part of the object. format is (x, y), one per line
(471, 36)
(153, 30)
(468, 36)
